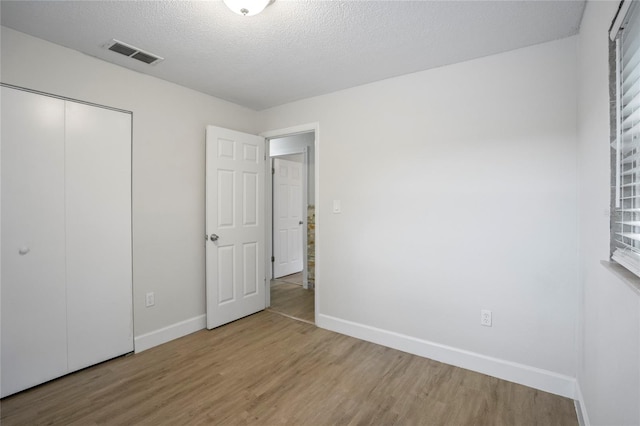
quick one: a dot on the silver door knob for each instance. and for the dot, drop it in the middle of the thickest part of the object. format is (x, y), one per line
(214, 237)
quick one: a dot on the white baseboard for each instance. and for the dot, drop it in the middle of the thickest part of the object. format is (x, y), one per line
(536, 378)
(166, 334)
(581, 409)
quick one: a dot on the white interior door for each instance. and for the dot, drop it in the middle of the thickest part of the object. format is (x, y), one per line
(289, 220)
(98, 222)
(235, 272)
(34, 330)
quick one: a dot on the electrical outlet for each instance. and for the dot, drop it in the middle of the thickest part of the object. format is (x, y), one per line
(150, 299)
(485, 317)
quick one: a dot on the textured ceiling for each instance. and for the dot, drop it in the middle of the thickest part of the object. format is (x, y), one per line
(294, 49)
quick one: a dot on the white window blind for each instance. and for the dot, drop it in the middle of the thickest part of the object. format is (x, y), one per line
(626, 223)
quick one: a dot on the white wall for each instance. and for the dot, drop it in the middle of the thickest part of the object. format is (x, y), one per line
(168, 165)
(459, 193)
(609, 352)
(295, 143)
(289, 144)
(296, 158)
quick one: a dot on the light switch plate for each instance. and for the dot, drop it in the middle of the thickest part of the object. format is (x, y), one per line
(150, 299)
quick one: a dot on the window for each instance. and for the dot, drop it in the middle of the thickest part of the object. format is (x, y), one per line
(625, 80)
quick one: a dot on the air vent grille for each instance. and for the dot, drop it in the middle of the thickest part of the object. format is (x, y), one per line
(133, 52)
(122, 49)
(147, 59)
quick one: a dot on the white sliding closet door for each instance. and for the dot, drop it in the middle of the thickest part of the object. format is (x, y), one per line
(98, 217)
(34, 307)
(66, 237)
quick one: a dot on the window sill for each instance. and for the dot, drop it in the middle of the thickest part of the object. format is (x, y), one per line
(624, 274)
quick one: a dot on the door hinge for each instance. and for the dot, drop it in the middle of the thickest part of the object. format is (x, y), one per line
(273, 259)
(273, 171)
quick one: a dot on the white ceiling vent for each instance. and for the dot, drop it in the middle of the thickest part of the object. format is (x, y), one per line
(133, 52)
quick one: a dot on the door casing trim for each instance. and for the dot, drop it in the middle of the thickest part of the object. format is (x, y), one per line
(278, 133)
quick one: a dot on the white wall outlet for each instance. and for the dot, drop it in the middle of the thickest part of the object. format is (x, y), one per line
(485, 317)
(150, 299)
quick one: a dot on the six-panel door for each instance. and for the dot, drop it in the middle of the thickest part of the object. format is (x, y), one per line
(235, 277)
(288, 218)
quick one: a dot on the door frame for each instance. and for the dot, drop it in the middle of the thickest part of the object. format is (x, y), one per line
(279, 133)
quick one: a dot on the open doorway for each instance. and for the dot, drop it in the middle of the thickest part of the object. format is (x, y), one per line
(292, 289)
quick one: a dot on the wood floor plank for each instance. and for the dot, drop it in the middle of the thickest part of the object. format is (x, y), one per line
(270, 370)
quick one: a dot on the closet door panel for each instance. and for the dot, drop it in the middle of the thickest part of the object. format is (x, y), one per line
(98, 216)
(34, 341)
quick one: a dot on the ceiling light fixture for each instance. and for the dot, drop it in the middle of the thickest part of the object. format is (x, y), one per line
(247, 7)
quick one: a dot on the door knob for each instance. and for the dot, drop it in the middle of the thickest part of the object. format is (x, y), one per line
(214, 237)
(300, 223)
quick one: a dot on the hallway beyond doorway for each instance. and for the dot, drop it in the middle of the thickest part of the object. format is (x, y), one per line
(291, 279)
(290, 299)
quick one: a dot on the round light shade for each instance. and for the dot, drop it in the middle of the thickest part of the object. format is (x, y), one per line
(246, 7)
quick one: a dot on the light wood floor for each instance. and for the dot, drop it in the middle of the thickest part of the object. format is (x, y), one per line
(292, 300)
(296, 278)
(267, 369)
